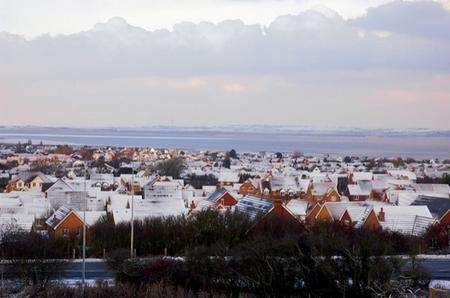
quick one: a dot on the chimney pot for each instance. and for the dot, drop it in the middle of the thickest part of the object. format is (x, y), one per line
(381, 215)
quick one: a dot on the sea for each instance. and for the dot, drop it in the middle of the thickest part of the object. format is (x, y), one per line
(371, 144)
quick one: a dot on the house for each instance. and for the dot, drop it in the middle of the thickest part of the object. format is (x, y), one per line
(401, 197)
(134, 183)
(298, 208)
(439, 207)
(312, 213)
(410, 220)
(161, 188)
(322, 192)
(74, 194)
(441, 190)
(360, 191)
(402, 175)
(228, 177)
(28, 181)
(120, 205)
(360, 176)
(285, 184)
(66, 221)
(26, 202)
(254, 206)
(265, 209)
(357, 214)
(222, 197)
(250, 187)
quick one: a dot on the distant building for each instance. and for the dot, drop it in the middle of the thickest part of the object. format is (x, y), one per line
(66, 221)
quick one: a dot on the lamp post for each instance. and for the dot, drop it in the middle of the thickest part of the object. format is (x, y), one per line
(132, 217)
(84, 231)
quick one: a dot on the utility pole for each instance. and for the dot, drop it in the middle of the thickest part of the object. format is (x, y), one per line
(132, 217)
(84, 231)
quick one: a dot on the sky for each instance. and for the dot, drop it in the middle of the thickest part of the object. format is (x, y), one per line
(353, 63)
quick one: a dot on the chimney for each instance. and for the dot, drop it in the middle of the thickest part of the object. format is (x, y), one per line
(277, 204)
(381, 215)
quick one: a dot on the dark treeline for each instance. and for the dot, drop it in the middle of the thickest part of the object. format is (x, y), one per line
(227, 254)
(198, 181)
(176, 235)
(445, 179)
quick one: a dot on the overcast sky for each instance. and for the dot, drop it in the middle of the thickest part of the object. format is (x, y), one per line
(371, 63)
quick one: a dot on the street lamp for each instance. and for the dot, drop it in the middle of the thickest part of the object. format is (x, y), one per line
(132, 217)
(84, 231)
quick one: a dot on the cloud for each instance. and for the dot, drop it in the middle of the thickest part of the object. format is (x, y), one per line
(312, 67)
(310, 40)
(426, 19)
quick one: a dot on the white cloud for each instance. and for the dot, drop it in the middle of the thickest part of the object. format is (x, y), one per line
(305, 68)
(31, 18)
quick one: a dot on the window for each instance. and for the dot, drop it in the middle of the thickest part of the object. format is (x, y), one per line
(65, 231)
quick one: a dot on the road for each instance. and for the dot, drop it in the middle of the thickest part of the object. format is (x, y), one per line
(96, 269)
(438, 268)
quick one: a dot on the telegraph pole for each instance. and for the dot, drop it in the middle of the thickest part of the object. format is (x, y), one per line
(132, 217)
(84, 231)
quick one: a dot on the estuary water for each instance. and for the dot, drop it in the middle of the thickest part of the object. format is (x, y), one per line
(334, 143)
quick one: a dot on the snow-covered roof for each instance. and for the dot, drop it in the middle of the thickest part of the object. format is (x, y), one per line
(228, 176)
(406, 219)
(297, 207)
(321, 188)
(284, 183)
(145, 209)
(362, 176)
(304, 184)
(399, 174)
(356, 190)
(431, 189)
(20, 221)
(405, 198)
(202, 204)
(24, 202)
(336, 209)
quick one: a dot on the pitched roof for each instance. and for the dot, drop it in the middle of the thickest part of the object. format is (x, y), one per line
(402, 173)
(297, 207)
(321, 188)
(356, 190)
(432, 188)
(60, 185)
(228, 176)
(58, 216)
(253, 206)
(437, 206)
(63, 212)
(30, 176)
(216, 195)
(406, 219)
(284, 183)
(362, 176)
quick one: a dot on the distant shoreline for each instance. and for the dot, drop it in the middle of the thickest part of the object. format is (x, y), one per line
(235, 129)
(420, 146)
